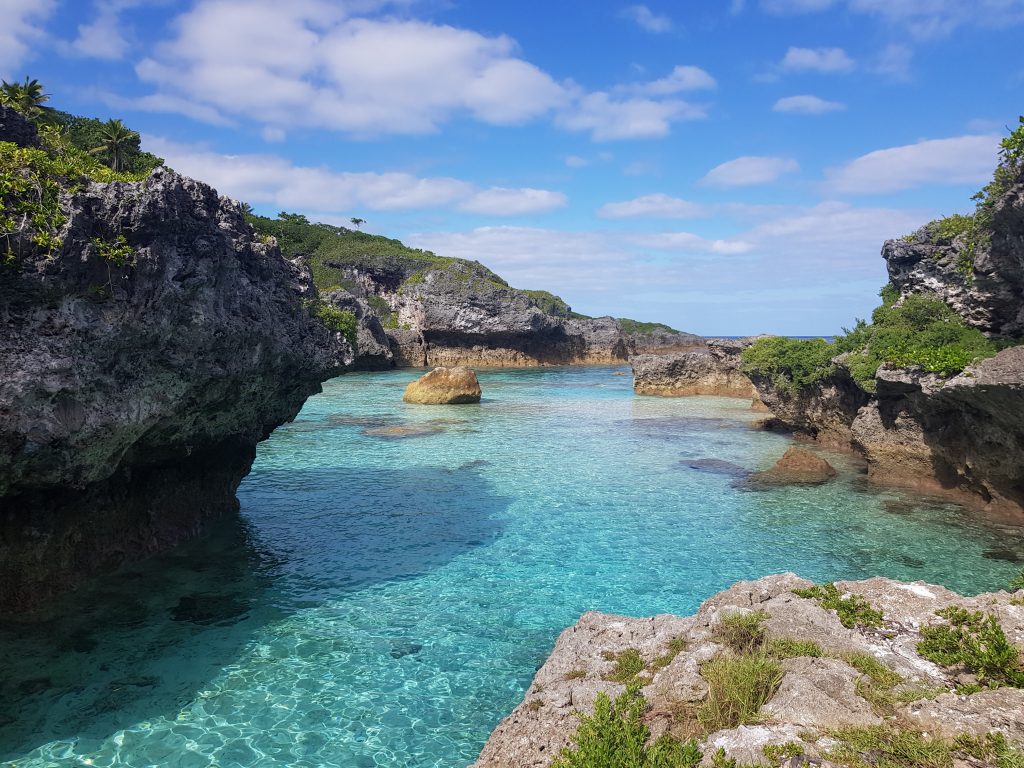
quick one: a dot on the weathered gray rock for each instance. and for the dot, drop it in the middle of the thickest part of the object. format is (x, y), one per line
(373, 347)
(17, 129)
(710, 367)
(816, 696)
(132, 396)
(990, 293)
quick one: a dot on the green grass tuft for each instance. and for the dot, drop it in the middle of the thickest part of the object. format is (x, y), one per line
(742, 632)
(853, 611)
(738, 686)
(976, 642)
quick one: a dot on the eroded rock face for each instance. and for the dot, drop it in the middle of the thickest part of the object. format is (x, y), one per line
(816, 696)
(16, 129)
(460, 313)
(373, 347)
(132, 395)
(989, 293)
(444, 386)
(710, 367)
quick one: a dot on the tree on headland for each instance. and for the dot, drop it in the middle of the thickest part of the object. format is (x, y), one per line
(27, 97)
(118, 139)
(357, 222)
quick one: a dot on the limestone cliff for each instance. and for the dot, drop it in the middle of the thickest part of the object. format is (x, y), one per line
(819, 673)
(140, 364)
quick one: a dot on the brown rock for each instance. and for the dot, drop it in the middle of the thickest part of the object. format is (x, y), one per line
(444, 386)
(796, 467)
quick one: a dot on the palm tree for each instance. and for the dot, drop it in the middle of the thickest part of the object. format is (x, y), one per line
(117, 139)
(27, 97)
(357, 222)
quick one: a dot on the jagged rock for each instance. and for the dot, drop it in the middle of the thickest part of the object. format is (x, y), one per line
(816, 695)
(712, 368)
(444, 386)
(407, 348)
(990, 294)
(962, 437)
(984, 712)
(132, 397)
(373, 347)
(820, 693)
(796, 467)
(16, 128)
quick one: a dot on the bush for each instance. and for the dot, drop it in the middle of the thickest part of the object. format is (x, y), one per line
(738, 686)
(616, 737)
(742, 632)
(338, 320)
(791, 364)
(976, 642)
(642, 328)
(853, 611)
(628, 664)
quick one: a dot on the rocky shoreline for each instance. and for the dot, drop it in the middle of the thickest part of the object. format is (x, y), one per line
(856, 664)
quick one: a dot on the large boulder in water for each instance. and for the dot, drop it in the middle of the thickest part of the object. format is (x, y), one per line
(796, 467)
(444, 386)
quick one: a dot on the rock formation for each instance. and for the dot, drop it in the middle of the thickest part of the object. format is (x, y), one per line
(710, 367)
(830, 675)
(444, 386)
(140, 364)
(797, 466)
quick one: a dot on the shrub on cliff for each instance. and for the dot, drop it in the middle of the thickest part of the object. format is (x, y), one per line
(790, 363)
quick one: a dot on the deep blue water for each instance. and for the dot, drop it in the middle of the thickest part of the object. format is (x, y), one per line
(399, 572)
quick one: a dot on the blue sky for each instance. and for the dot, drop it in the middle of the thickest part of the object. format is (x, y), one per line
(726, 167)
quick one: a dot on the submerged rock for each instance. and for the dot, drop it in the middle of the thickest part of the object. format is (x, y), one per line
(444, 386)
(796, 467)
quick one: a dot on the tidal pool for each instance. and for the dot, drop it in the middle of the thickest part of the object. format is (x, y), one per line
(398, 573)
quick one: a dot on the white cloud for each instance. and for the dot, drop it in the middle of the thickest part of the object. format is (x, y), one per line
(931, 19)
(681, 78)
(960, 160)
(807, 105)
(647, 19)
(20, 31)
(608, 118)
(575, 161)
(658, 205)
(273, 180)
(689, 242)
(826, 60)
(305, 62)
(499, 201)
(748, 171)
(102, 38)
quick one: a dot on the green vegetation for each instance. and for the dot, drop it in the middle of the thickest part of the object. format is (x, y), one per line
(975, 642)
(1017, 582)
(780, 752)
(791, 364)
(991, 748)
(550, 304)
(738, 686)
(788, 648)
(338, 320)
(575, 674)
(675, 646)
(741, 632)
(628, 664)
(31, 179)
(118, 252)
(853, 611)
(616, 737)
(922, 331)
(887, 747)
(643, 329)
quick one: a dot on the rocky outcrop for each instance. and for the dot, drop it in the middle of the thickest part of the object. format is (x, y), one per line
(709, 367)
(824, 411)
(450, 312)
(373, 347)
(962, 436)
(980, 276)
(16, 129)
(822, 687)
(444, 386)
(797, 466)
(140, 364)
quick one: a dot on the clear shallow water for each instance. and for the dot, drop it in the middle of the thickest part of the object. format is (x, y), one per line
(385, 598)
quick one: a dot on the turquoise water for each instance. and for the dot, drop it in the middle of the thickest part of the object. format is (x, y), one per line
(387, 594)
